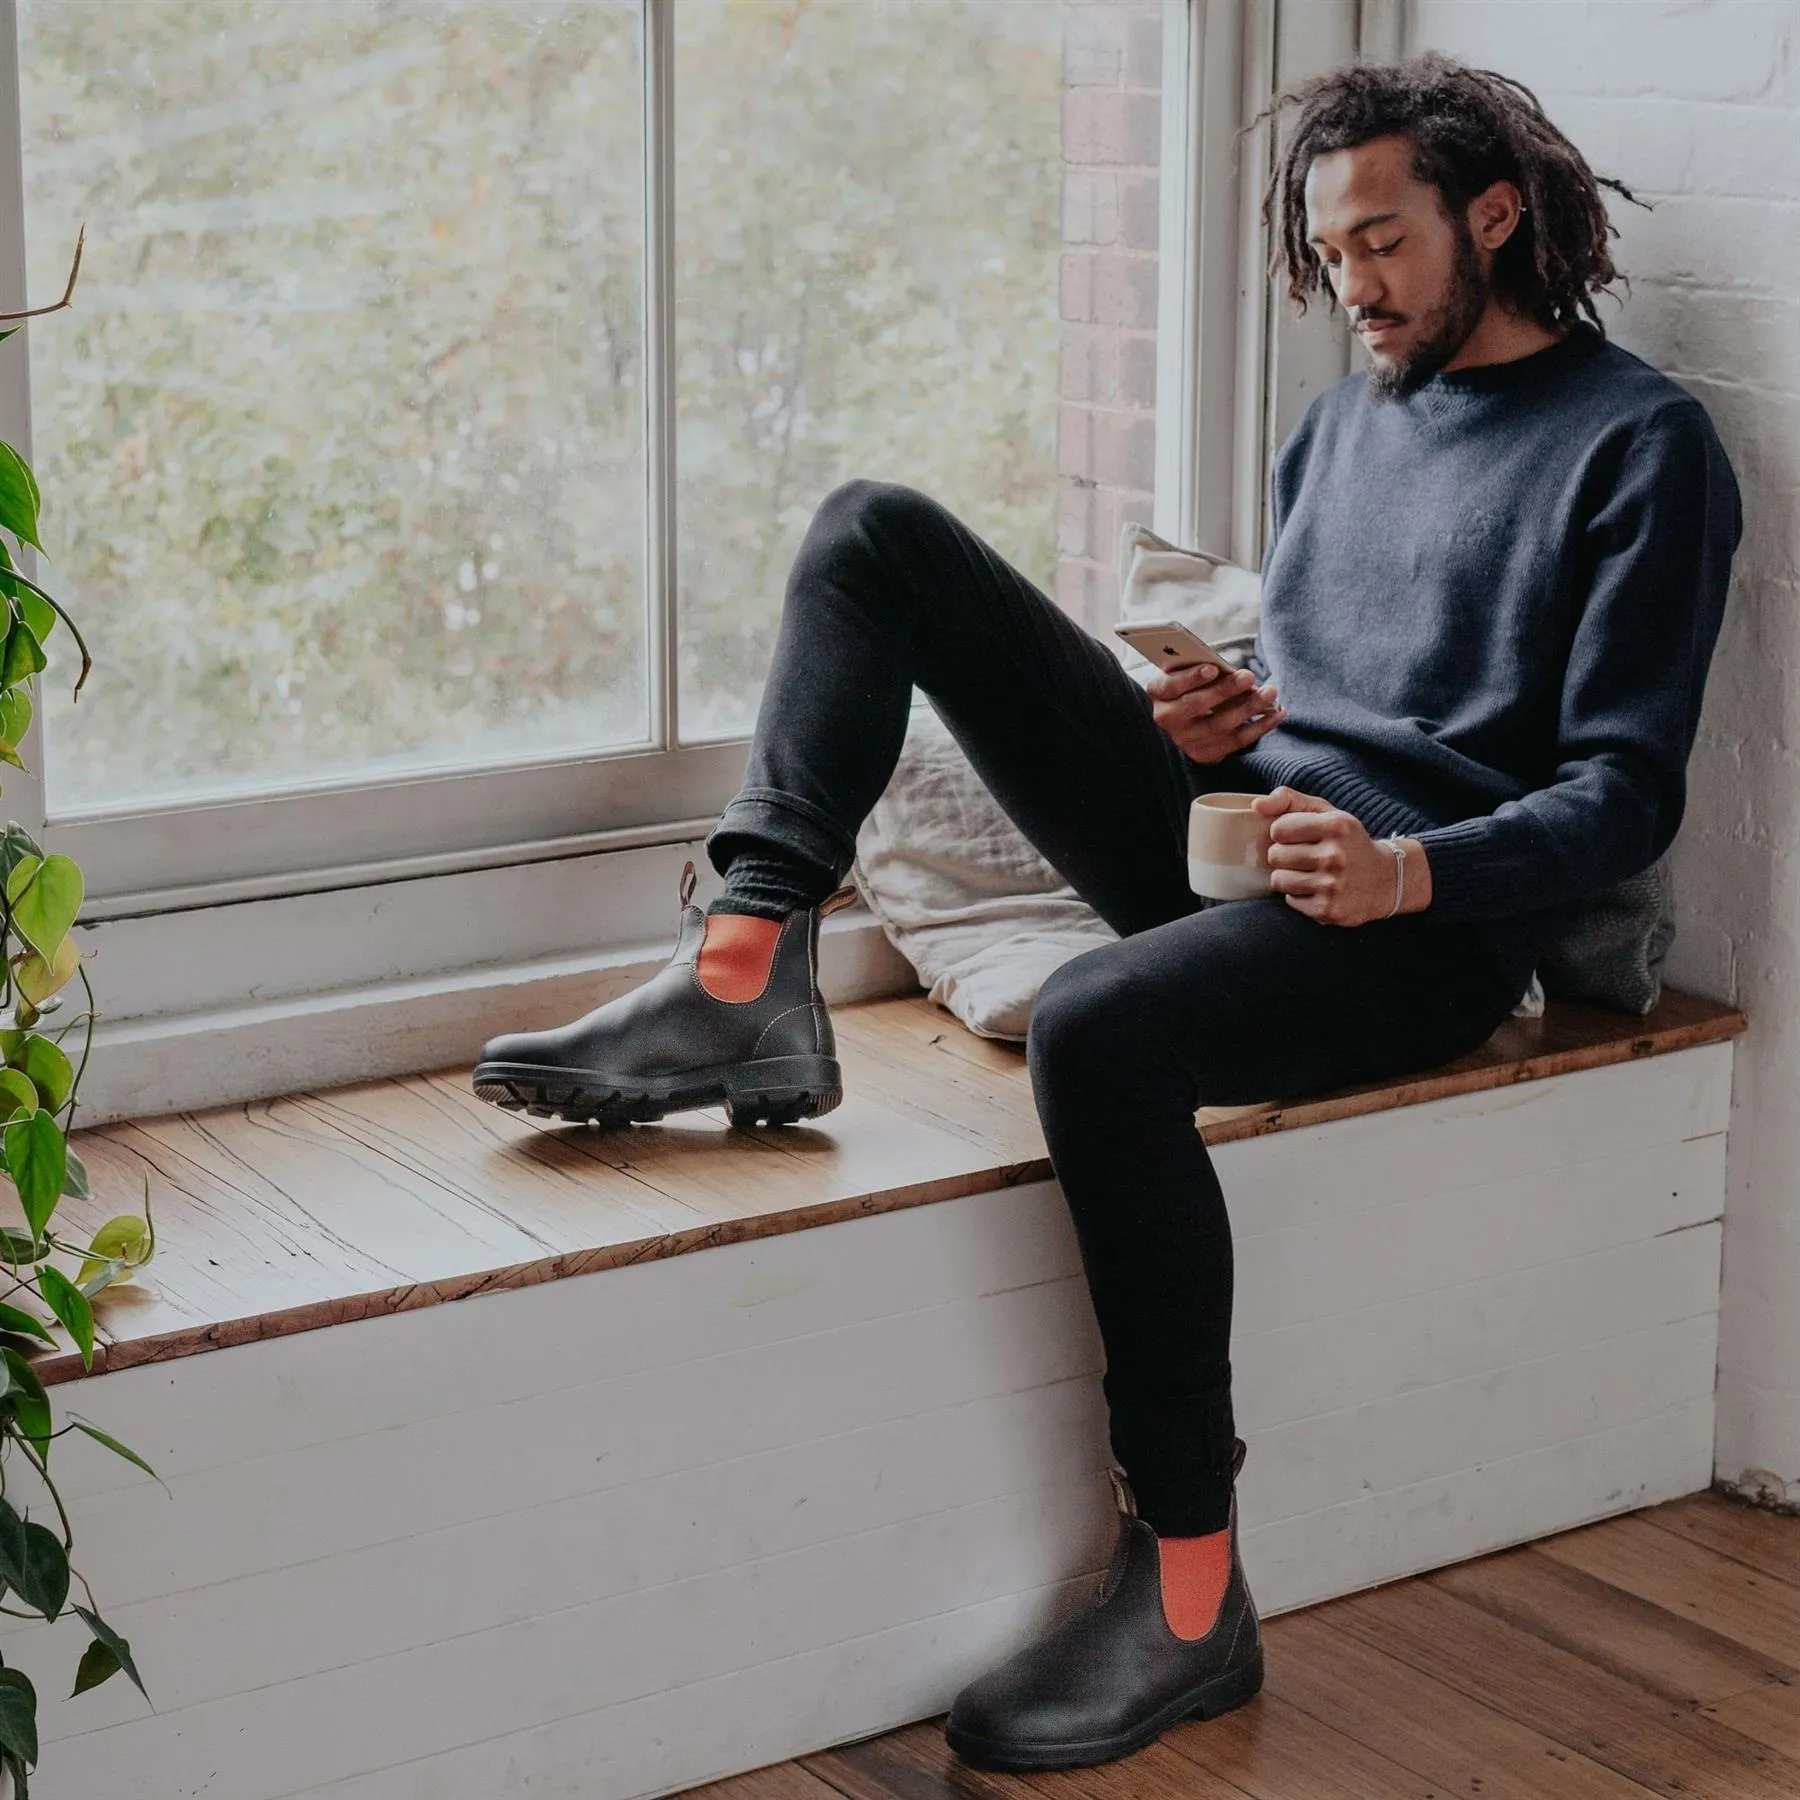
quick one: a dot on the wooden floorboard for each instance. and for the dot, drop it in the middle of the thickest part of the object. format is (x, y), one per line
(1645, 1655)
(320, 1208)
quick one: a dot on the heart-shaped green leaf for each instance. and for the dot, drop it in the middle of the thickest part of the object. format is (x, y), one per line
(15, 717)
(124, 1239)
(17, 1092)
(22, 657)
(17, 1319)
(42, 1062)
(70, 1305)
(37, 1160)
(30, 1405)
(97, 1664)
(16, 1247)
(38, 979)
(19, 498)
(46, 1571)
(75, 1177)
(104, 1634)
(16, 843)
(44, 912)
(18, 1716)
(12, 1543)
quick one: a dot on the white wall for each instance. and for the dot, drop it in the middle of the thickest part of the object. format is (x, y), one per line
(1697, 107)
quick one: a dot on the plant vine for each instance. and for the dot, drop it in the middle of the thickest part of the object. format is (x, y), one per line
(40, 897)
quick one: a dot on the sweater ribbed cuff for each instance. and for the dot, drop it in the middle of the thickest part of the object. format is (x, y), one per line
(1467, 880)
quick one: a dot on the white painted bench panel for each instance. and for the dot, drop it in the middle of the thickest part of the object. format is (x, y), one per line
(618, 1534)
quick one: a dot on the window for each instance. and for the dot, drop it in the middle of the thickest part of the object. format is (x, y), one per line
(425, 490)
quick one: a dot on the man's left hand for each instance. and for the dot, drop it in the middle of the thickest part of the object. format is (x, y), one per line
(1328, 866)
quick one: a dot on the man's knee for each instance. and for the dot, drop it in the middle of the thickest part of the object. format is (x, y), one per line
(863, 504)
(1119, 1017)
(1081, 1021)
(868, 544)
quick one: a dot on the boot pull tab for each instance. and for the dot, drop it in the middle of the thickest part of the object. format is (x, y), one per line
(1123, 1498)
(689, 881)
(845, 896)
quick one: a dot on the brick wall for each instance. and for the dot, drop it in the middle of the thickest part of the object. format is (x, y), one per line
(1697, 106)
(1106, 427)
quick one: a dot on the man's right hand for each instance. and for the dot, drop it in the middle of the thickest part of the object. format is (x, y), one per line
(1205, 710)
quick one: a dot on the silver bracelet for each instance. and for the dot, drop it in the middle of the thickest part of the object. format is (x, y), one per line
(1399, 850)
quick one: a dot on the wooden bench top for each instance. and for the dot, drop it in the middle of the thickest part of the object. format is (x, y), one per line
(286, 1215)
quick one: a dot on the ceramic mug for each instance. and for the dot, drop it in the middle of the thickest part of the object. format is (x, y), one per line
(1228, 847)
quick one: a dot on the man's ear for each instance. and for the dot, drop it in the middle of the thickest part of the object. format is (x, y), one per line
(1494, 214)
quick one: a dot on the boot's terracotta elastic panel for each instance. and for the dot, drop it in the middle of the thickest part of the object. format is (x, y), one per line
(736, 955)
(1195, 1574)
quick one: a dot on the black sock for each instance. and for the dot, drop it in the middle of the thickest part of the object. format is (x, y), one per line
(768, 884)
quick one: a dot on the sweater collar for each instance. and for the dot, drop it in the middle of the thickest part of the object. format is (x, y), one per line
(1551, 362)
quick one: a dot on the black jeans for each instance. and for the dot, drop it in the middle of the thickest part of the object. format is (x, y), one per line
(1197, 1003)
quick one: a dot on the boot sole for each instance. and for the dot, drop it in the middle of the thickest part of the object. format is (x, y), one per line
(1222, 1694)
(779, 1090)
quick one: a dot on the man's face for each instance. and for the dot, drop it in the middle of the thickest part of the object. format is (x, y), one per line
(1410, 278)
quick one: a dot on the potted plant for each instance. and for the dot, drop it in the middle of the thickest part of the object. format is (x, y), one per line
(46, 1281)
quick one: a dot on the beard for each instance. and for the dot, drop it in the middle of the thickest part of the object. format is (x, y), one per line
(1444, 329)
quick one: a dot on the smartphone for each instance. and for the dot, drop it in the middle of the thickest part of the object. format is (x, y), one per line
(1169, 646)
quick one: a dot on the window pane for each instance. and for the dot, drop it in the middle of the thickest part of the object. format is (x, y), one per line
(341, 445)
(867, 198)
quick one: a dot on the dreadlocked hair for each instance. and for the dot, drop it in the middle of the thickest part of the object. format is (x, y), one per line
(1469, 128)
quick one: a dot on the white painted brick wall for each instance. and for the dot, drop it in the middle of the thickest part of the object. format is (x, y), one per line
(1697, 107)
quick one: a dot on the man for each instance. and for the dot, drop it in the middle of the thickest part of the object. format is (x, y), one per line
(1497, 570)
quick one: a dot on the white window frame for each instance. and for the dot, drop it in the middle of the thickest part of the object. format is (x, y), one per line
(245, 947)
(1236, 368)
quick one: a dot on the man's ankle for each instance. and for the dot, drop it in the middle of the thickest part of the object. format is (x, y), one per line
(739, 907)
(770, 884)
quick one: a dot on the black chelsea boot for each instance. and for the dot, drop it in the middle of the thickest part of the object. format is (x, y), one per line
(670, 1045)
(1113, 1678)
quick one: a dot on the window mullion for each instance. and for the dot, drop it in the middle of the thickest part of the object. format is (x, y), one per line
(663, 623)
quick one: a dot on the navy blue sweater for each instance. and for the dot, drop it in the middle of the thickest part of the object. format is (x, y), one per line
(1489, 609)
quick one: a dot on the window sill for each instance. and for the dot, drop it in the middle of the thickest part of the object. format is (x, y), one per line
(403, 1193)
(221, 1004)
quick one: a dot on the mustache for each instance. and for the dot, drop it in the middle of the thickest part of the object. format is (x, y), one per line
(1374, 315)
